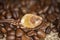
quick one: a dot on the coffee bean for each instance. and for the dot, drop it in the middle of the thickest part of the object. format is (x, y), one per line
(1, 35)
(41, 34)
(31, 33)
(48, 30)
(18, 38)
(25, 37)
(19, 33)
(36, 38)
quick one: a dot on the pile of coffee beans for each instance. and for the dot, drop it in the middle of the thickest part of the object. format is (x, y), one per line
(12, 11)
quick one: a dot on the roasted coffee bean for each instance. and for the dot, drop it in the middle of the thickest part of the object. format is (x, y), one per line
(24, 10)
(42, 3)
(1, 35)
(10, 37)
(3, 30)
(54, 30)
(56, 22)
(31, 33)
(48, 2)
(57, 10)
(36, 38)
(8, 28)
(54, 3)
(13, 26)
(51, 10)
(35, 7)
(15, 15)
(51, 18)
(44, 25)
(18, 38)
(59, 35)
(25, 37)
(45, 9)
(8, 15)
(1, 5)
(19, 33)
(48, 30)
(1, 17)
(30, 3)
(41, 34)
(58, 26)
(12, 32)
